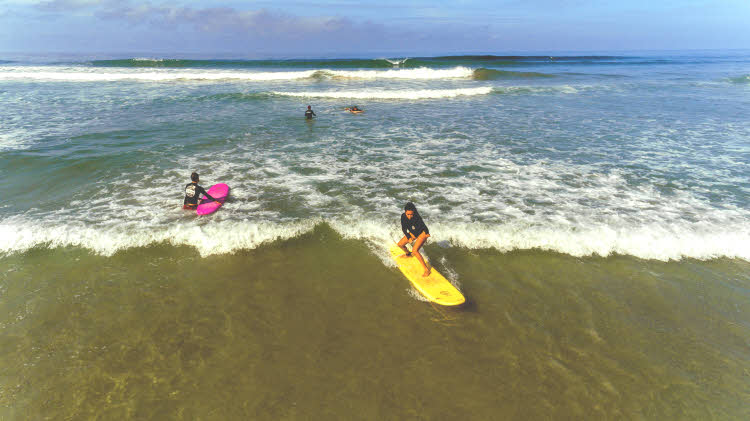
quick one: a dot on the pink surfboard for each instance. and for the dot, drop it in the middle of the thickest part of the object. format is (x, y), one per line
(218, 192)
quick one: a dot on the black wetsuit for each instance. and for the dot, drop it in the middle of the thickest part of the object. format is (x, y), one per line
(309, 114)
(192, 192)
(415, 225)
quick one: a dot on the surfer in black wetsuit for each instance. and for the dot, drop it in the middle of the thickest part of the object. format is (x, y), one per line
(193, 191)
(415, 232)
(309, 113)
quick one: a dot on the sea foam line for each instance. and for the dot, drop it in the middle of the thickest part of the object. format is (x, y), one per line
(392, 94)
(153, 76)
(69, 74)
(219, 237)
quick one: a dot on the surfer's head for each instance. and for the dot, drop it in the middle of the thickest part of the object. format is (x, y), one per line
(308, 107)
(409, 209)
(194, 176)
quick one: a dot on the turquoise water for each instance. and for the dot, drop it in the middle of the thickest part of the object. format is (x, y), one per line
(595, 210)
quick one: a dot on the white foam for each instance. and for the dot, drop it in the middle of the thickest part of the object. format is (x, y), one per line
(450, 274)
(391, 94)
(161, 75)
(88, 74)
(217, 237)
(502, 201)
(15, 140)
(528, 89)
(396, 62)
(423, 73)
(647, 241)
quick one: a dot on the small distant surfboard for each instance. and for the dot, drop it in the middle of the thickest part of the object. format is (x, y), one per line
(218, 192)
(434, 287)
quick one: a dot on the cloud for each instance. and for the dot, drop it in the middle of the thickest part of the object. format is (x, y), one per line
(68, 5)
(229, 21)
(137, 25)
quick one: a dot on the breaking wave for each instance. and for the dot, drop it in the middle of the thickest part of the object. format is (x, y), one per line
(73, 74)
(393, 94)
(219, 237)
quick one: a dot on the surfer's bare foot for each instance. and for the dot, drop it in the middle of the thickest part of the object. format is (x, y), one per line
(405, 255)
(427, 272)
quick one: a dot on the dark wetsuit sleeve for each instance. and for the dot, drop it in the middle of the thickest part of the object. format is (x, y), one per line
(200, 190)
(405, 225)
(419, 226)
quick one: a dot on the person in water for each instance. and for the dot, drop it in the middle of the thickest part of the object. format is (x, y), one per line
(415, 232)
(309, 113)
(354, 109)
(193, 191)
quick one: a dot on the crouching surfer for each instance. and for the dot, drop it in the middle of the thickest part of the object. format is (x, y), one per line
(415, 232)
(193, 191)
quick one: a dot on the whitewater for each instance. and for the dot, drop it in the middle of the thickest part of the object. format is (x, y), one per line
(591, 157)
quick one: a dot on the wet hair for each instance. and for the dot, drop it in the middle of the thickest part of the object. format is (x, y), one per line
(194, 176)
(410, 207)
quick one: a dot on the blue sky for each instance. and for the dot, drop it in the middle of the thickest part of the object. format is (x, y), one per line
(315, 28)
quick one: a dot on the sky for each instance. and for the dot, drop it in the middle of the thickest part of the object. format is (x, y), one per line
(287, 28)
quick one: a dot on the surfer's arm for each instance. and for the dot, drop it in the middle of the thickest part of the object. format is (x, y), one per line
(205, 193)
(404, 226)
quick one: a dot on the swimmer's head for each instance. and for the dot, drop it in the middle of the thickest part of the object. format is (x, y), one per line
(194, 176)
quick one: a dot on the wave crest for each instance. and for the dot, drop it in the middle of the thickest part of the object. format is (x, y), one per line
(393, 94)
(220, 237)
(71, 74)
(492, 74)
(740, 80)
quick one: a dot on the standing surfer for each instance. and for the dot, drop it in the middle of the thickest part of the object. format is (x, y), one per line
(193, 191)
(415, 232)
(309, 113)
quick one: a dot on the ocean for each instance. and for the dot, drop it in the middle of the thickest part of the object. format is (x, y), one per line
(593, 209)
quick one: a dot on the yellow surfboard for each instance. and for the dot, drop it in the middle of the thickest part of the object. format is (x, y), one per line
(434, 287)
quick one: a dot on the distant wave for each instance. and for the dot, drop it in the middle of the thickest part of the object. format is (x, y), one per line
(353, 63)
(517, 90)
(69, 74)
(394, 94)
(741, 80)
(412, 94)
(239, 64)
(237, 96)
(396, 62)
(418, 73)
(492, 74)
(525, 58)
(437, 62)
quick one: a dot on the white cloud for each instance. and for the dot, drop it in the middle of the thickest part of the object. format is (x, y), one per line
(229, 20)
(67, 5)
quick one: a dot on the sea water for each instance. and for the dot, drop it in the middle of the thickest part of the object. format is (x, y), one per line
(595, 211)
